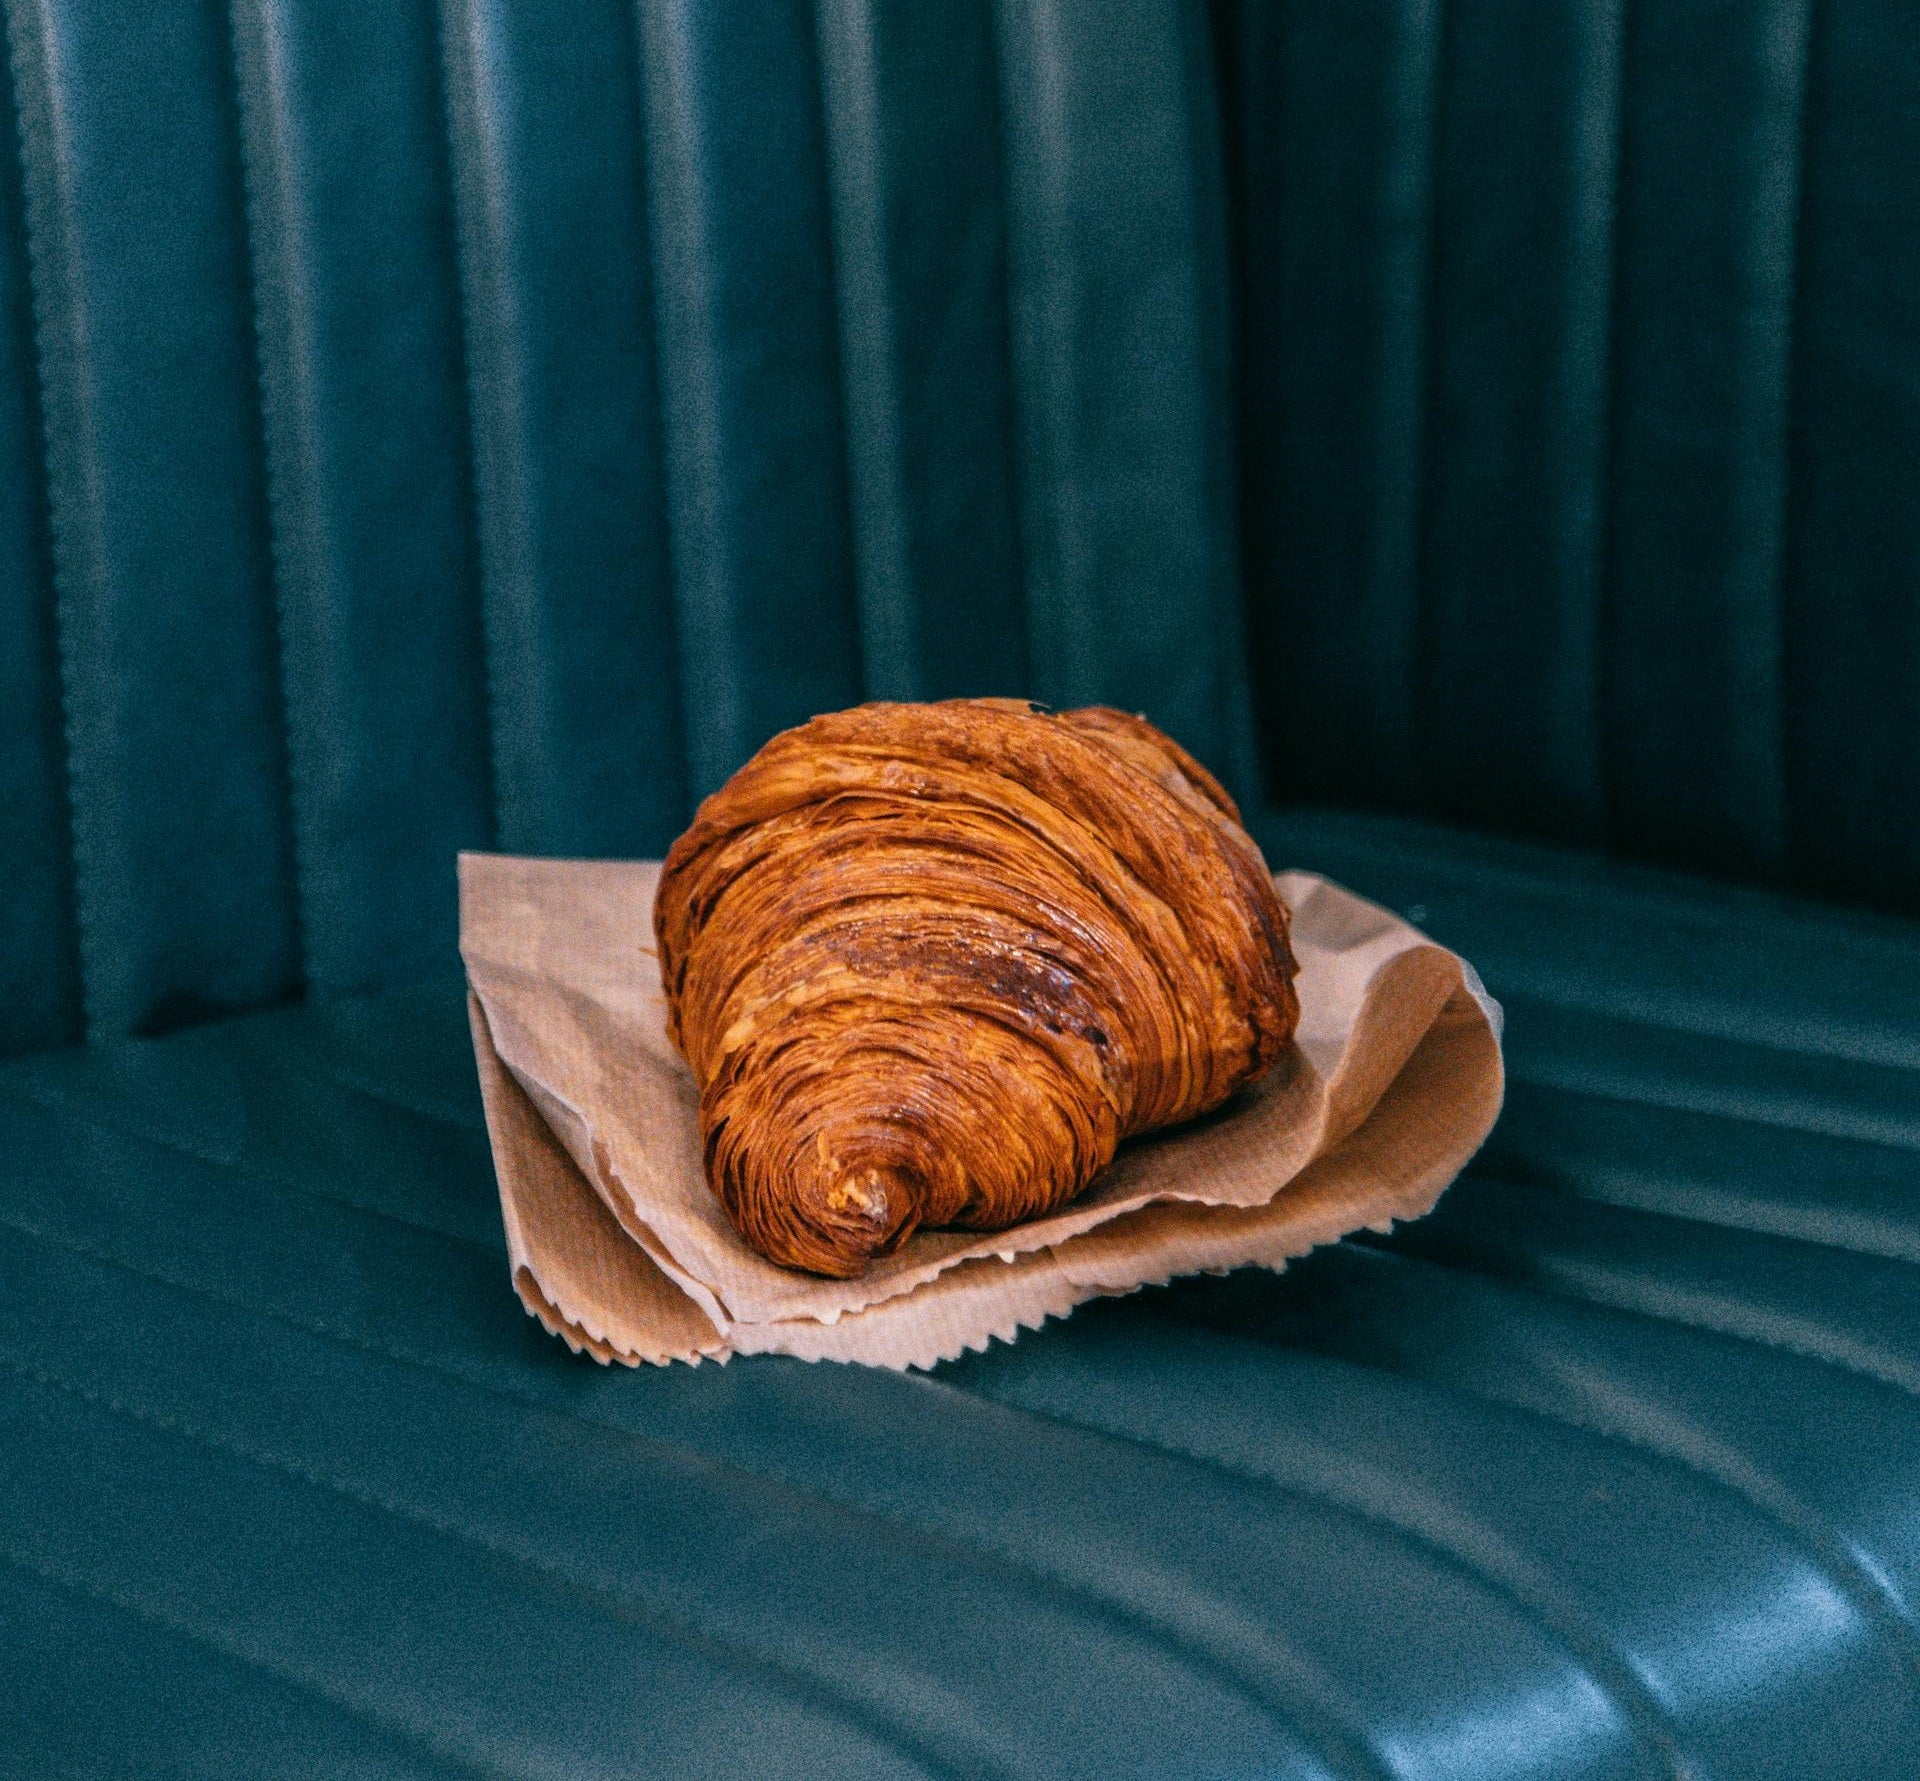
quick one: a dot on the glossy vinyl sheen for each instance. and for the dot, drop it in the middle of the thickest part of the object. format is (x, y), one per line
(474, 425)
(486, 429)
(1579, 353)
(1605, 1469)
(485, 425)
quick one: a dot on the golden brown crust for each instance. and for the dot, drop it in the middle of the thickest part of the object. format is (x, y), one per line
(931, 963)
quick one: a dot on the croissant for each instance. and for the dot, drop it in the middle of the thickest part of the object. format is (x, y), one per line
(929, 964)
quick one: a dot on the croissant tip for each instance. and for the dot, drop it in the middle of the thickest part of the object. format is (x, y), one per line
(842, 1223)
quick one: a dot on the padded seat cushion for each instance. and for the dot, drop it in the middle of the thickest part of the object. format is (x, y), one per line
(1609, 1468)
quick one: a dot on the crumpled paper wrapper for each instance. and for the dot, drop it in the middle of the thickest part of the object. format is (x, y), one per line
(618, 1246)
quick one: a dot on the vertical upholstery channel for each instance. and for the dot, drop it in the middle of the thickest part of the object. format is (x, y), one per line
(1528, 128)
(1334, 106)
(362, 367)
(1117, 267)
(1620, 300)
(756, 477)
(184, 892)
(484, 423)
(588, 750)
(1853, 585)
(913, 133)
(1708, 202)
(1427, 233)
(39, 965)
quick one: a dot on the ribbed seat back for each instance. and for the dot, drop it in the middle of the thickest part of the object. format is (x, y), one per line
(481, 426)
(481, 423)
(1582, 400)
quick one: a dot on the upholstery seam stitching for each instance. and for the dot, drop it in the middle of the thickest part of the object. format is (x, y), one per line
(1875, 1604)
(985, 1558)
(1416, 782)
(1356, 830)
(473, 484)
(1858, 1583)
(1521, 1072)
(45, 641)
(271, 424)
(1496, 1174)
(884, 606)
(1640, 1019)
(1403, 755)
(77, 1583)
(1554, 1290)
(400, 1100)
(284, 1187)
(665, 589)
(1032, 380)
(36, 226)
(1603, 554)
(681, 382)
(664, 1623)
(1649, 1718)
(1791, 441)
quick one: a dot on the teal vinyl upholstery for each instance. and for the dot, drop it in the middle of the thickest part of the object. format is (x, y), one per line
(1483, 432)
(485, 429)
(1580, 345)
(1607, 1469)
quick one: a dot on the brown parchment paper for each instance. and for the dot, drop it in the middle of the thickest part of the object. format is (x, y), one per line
(617, 1245)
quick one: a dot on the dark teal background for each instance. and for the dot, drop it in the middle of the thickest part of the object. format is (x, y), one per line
(1486, 431)
(1581, 421)
(483, 431)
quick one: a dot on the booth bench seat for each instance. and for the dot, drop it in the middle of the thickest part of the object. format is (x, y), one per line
(1605, 1469)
